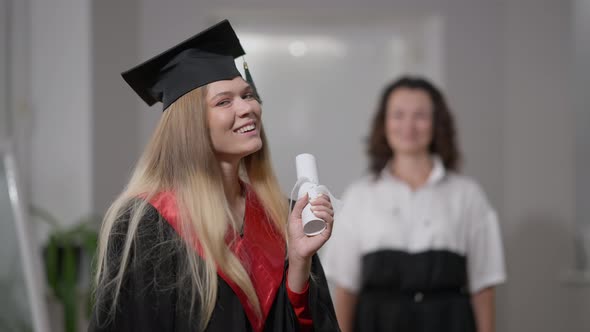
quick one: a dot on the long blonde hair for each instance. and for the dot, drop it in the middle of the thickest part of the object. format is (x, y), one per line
(180, 158)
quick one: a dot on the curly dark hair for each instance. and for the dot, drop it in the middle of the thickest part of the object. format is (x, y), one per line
(444, 134)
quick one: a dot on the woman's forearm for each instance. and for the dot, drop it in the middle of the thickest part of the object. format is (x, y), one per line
(298, 273)
(345, 303)
(484, 309)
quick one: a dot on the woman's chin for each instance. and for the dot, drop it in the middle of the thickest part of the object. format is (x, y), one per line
(252, 147)
(411, 149)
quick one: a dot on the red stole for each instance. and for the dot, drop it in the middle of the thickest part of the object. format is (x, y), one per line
(261, 250)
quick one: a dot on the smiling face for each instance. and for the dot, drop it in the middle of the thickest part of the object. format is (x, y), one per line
(234, 119)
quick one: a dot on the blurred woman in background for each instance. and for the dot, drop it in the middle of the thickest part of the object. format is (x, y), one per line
(417, 247)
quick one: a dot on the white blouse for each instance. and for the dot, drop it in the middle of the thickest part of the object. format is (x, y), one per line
(450, 212)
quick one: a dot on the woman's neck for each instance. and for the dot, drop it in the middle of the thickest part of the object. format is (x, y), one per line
(231, 181)
(233, 190)
(413, 169)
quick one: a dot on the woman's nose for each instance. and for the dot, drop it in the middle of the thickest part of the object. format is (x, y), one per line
(243, 107)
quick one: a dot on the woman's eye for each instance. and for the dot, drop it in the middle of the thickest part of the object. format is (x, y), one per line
(248, 96)
(223, 103)
(422, 115)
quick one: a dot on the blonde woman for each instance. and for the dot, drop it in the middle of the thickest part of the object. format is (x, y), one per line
(201, 238)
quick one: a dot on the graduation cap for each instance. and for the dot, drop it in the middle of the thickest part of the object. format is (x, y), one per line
(202, 59)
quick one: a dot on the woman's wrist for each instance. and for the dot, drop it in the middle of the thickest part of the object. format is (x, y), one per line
(298, 273)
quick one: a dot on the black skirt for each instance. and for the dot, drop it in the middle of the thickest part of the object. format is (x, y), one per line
(424, 292)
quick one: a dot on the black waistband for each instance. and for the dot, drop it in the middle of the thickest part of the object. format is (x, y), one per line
(417, 295)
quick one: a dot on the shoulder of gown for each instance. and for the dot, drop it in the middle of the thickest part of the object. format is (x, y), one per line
(148, 293)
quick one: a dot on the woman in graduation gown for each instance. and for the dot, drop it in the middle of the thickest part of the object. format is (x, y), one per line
(422, 243)
(201, 239)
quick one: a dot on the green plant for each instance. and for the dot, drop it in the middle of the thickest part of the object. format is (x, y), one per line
(64, 253)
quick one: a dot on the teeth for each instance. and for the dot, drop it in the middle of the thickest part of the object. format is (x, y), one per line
(246, 129)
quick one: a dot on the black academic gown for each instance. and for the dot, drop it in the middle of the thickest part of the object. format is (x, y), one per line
(150, 297)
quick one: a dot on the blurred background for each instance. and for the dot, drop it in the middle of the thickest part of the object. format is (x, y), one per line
(516, 72)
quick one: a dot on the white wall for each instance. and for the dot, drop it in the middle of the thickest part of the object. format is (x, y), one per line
(114, 122)
(60, 96)
(581, 105)
(20, 90)
(539, 177)
(4, 56)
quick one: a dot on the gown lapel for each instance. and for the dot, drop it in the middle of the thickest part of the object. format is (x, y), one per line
(261, 250)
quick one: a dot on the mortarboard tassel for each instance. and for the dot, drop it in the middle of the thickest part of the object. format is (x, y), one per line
(251, 81)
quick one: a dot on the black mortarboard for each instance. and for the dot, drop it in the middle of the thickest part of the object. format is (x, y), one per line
(202, 59)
